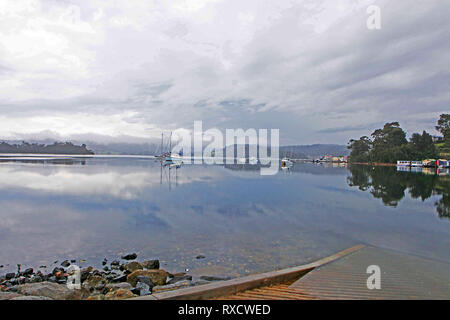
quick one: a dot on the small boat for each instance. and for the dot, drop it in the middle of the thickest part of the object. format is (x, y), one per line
(252, 160)
(285, 163)
(402, 163)
(241, 160)
(416, 164)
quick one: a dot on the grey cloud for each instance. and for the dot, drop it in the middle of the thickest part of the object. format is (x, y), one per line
(278, 72)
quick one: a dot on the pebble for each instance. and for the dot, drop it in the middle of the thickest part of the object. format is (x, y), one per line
(115, 263)
(10, 275)
(65, 263)
(28, 272)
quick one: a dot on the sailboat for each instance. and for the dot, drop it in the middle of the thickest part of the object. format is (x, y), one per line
(169, 158)
(286, 163)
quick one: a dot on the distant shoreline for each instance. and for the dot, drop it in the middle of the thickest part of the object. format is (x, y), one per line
(376, 164)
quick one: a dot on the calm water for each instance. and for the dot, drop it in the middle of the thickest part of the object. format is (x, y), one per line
(242, 222)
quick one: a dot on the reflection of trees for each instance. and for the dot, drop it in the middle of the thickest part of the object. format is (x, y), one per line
(443, 205)
(389, 185)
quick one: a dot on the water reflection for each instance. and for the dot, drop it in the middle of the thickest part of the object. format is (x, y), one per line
(390, 185)
(241, 221)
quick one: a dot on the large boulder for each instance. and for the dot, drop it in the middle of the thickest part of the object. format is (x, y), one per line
(158, 277)
(8, 295)
(131, 266)
(51, 290)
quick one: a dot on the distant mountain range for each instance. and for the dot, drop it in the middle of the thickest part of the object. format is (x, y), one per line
(317, 150)
(307, 151)
(294, 151)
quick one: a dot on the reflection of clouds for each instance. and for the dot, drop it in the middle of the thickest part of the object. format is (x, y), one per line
(95, 180)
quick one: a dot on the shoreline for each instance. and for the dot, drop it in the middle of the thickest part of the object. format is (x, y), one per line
(122, 278)
(374, 164)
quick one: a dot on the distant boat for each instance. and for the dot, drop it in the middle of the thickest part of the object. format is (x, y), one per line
(241, 160)
(285, 163)
(402, 163)
(252, 160)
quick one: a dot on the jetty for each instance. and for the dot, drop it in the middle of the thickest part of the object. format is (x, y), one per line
(343, 275)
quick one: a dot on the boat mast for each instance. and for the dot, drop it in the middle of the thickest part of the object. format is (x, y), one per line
(162, 141)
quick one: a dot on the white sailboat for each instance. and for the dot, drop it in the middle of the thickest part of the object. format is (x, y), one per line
(286, 163)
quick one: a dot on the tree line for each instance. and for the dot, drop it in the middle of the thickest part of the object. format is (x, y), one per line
(55, 148)
(389, 144)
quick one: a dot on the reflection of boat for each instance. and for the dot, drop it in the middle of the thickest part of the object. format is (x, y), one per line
(403, 168)
(167, 167)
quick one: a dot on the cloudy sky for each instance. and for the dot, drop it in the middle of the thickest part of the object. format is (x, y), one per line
(126, 70)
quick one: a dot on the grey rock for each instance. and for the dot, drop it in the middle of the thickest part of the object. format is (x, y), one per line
(115, 263)
(10, 275)
(142, 288)
(151, 264)
(65, 263)
(28, 272)
(146, 280)
(130, 256)
(179, 278)
(56, 270)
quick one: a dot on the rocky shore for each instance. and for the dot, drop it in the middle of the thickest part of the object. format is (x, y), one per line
(119, 279)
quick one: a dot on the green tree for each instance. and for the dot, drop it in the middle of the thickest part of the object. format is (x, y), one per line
(360, 149)
(443, 126)
(422, 146)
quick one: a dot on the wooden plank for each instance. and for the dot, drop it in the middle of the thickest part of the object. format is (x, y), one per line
(230, 287)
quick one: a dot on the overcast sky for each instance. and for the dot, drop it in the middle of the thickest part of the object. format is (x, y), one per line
(126, 70)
